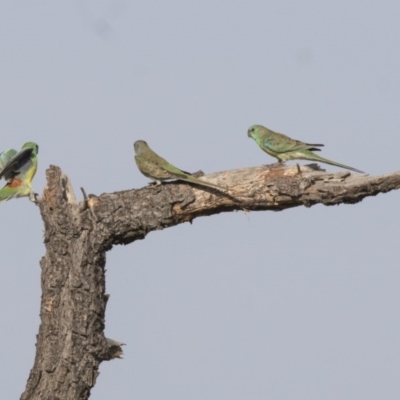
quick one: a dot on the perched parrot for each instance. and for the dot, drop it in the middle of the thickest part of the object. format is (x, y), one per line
(156, 168)
(18, 169)
(284, 148)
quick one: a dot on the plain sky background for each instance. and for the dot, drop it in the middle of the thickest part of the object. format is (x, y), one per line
(300, 304)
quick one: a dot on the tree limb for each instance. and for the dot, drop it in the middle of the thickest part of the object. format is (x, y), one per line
(71, 343)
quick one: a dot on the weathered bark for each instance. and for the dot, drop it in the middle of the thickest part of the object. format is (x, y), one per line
(71, 343)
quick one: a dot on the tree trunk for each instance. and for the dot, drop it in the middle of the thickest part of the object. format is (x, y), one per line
(71, 343)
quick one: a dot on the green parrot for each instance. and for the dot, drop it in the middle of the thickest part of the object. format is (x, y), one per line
(18, 169)
(284, 148)
(6, 156)
(156, 168)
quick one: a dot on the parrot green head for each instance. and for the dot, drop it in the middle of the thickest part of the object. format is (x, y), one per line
(33, 146)
(140, 147)
(254, 130)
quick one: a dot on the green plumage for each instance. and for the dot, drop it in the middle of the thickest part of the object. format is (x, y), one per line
(6, 156)
(284, 148)
(18, 169)
(156, 168)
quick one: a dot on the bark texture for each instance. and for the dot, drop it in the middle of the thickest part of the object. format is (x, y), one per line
(71, 343)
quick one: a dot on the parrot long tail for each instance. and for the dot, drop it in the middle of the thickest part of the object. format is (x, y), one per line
(313, 157)
(8, 192)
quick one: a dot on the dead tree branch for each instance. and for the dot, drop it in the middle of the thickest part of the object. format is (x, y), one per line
(71, 343)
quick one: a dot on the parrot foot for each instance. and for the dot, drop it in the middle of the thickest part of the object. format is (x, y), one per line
(34, 198)
(154, 184)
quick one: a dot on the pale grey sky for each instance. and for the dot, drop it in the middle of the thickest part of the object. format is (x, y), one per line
(301, 304)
